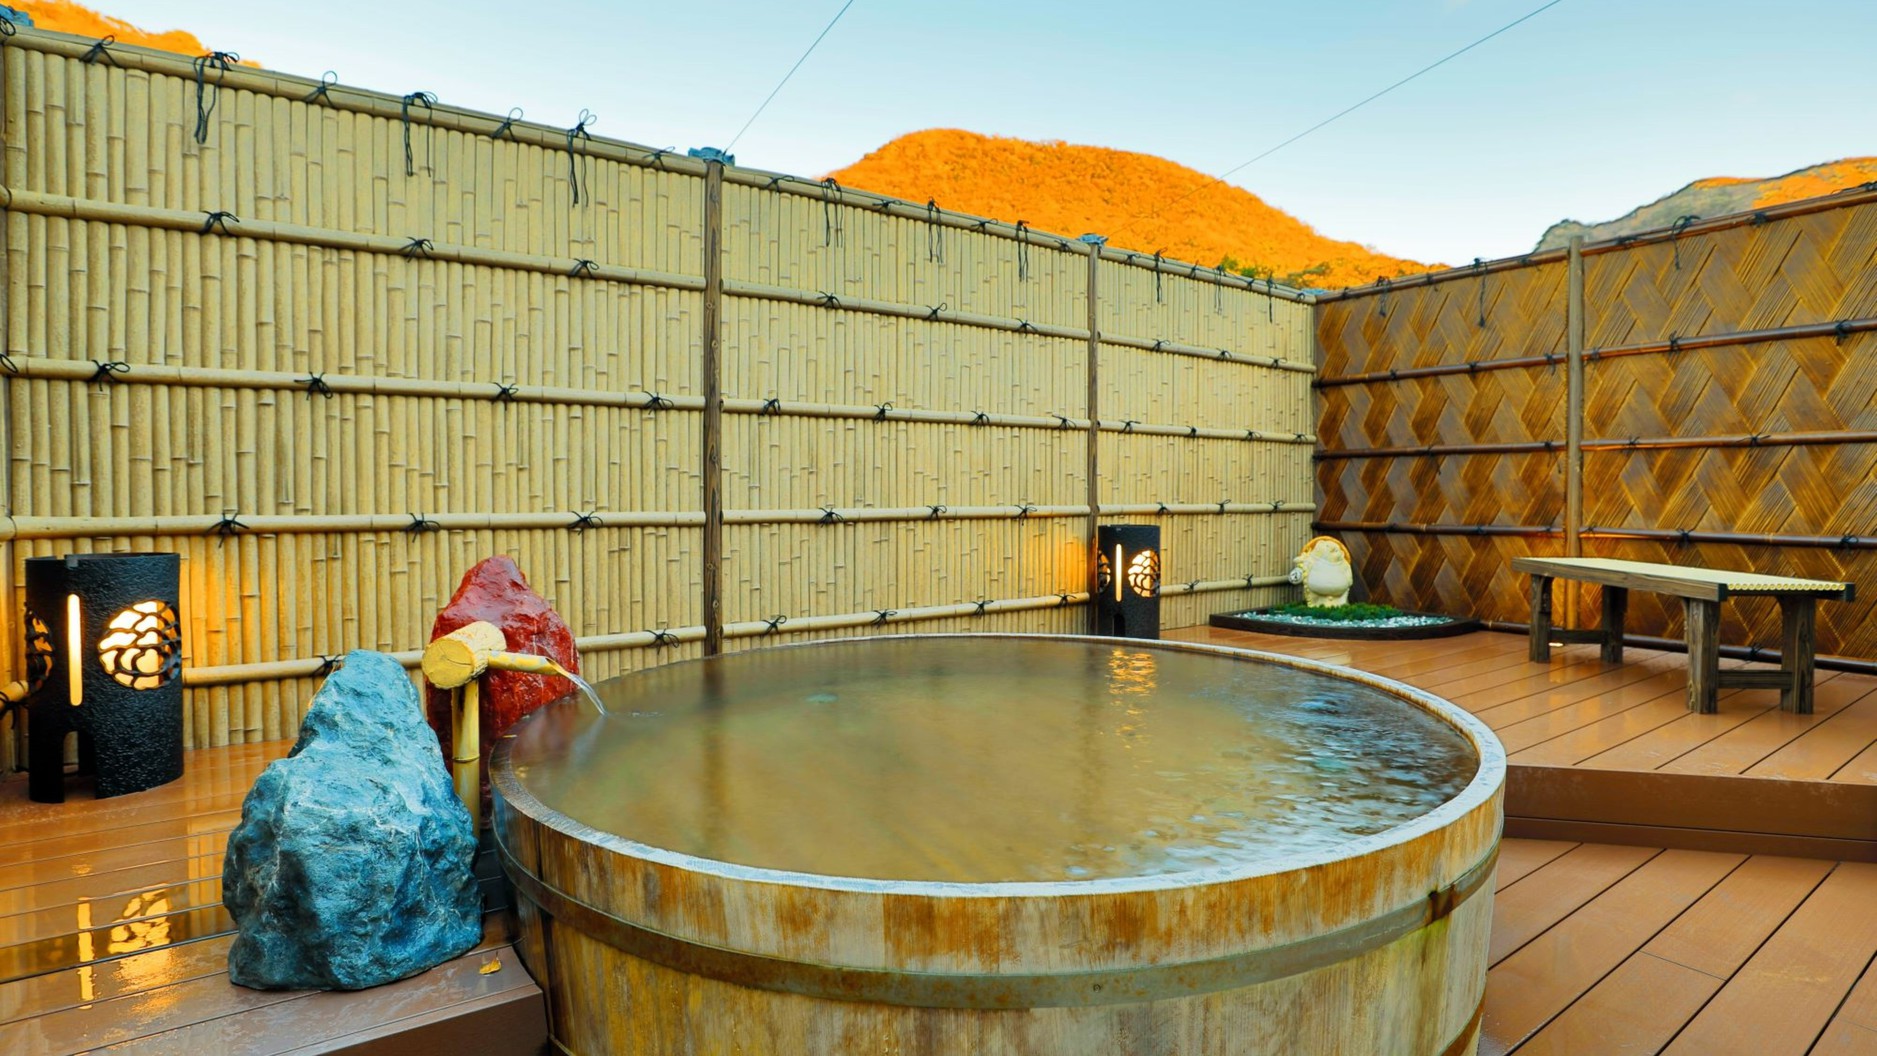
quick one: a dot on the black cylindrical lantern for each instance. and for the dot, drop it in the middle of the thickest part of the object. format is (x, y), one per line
(1127, 580)
(103, 661)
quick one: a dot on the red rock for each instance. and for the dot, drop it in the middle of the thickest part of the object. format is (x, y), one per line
(496, 591)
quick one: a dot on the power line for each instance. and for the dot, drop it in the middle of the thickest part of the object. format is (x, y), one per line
(791, 73)
(1346, 111)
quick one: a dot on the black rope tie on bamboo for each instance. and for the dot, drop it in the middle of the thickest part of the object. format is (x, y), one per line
(328, 663)
(655, 402)
(101, 50)
(1848, 542)
(830, 220)
(208, 93)
(1062, 600)
(932, 311)
(879, 413)
(1162, 511)
(880, 616)
(1841, 331)
(315, 386)
(107, 372)
(1024, 326)
(1684, 536)
(418, 248)
(1063, 421)
(1479, 268)
(1157, 258)
(775, 623)
(934, 233)
(583, 521)
(1674, 234)
(219, 218)
(662, 638)
(229, 525)
(323, 93)
(1023, 250)
(574, 137)
(980, 603)
(1024, 509)
(505, 393)
(583, 266)
(421, 524)
(1128, 424)
(427, 100)
(830, 515)
(772, 405)
(7, 364)
(980, 418)
(935, 511)
(507, 127)
(7, 28)
(827, 300)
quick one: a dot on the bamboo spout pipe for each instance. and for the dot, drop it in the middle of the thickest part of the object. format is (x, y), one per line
(456, 662)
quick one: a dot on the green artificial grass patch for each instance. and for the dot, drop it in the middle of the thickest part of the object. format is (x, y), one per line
(1354, 613)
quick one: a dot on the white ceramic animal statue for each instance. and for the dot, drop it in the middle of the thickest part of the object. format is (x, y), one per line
(1323, 570)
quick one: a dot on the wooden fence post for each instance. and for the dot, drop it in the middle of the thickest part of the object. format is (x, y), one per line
(1574, 417)
(713, 408)
(1095, 243)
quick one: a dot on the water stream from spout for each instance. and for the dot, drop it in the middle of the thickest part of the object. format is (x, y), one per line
(586, 690)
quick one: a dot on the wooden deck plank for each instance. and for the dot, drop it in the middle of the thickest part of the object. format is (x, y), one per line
(1822, 750)
(1669, 742)
(1530, 987)
(1781, 1000)
(1561, 722)
(1528, 908)
(1504, 705)
(1637, 1008)
(1746, 745)
(1861, 770)
(213, 779)
(1719, 933)
(1520, 858)
(1572, 748)
(1856, 1019)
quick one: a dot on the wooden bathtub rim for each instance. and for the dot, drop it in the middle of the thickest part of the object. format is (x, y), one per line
(999, 991)
(1486, 785)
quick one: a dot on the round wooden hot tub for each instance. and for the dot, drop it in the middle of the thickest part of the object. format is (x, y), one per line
(970, 844)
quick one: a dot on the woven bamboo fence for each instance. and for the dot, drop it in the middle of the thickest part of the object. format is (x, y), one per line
(1726, 416)
(345, 344)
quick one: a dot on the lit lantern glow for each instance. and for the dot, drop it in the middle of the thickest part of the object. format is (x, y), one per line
(142, 646)
(74, 634)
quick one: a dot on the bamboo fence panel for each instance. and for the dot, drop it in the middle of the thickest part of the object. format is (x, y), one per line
(1808, 264)
(371, 378)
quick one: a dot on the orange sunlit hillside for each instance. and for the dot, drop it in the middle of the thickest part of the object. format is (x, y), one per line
(1070, 189)
(63, 17)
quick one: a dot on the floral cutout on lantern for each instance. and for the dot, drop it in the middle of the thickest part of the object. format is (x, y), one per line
(1104, 573)
(38, 652)
(142, 647)
(1144, 573)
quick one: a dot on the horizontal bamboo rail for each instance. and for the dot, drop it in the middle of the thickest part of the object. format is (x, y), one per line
(1804, 206)
(1634, 443)
(1749, 653)
(212, 377)
(1672, 535)
(275, 670)
(1838, 330)
(419, 247)
(1828, 542)
(452, 118)
(236, 523)
(1398, 528)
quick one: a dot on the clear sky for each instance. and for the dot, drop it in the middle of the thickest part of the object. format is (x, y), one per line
(1586, 111)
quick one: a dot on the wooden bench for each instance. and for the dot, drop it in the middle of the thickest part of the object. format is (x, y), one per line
(1702, 590)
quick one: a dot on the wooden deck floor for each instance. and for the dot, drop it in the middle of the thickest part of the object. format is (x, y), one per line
(113, 938)
(1578, 712)
(1601, 949)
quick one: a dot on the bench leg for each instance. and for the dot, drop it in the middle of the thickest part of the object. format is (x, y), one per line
(1540, 651)
(1798, 650)
(1704, 654)
(1615, 608)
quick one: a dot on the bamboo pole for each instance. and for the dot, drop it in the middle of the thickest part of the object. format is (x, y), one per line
(712, 425)
(1092, 456)
(1574, 412)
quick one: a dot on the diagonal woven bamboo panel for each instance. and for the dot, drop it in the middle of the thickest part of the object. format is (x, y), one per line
(1417, 326)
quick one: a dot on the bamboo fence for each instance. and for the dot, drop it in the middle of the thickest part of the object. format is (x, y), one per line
(349, 343)
(1705, 394)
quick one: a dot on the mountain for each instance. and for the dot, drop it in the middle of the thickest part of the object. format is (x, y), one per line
(63, 17)
(1719, 195)
(1138, 200)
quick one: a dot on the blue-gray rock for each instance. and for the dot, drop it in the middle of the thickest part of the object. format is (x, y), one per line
(352, 863)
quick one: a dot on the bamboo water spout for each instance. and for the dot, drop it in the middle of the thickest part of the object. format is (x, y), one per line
(457, 662)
